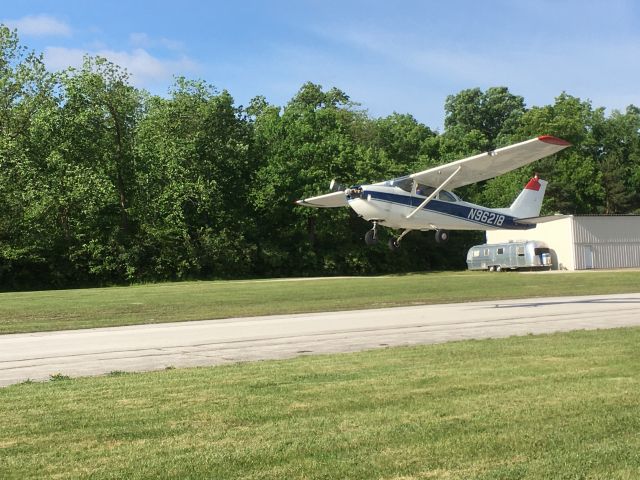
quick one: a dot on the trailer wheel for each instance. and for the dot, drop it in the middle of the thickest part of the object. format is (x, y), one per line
(498, 268)
(491, 268)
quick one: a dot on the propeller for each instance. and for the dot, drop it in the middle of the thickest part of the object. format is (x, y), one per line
(334, 186)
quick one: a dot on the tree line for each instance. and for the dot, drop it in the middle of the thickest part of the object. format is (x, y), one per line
(103, 183)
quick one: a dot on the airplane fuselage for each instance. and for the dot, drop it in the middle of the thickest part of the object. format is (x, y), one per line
(419, 201)
(391, 205)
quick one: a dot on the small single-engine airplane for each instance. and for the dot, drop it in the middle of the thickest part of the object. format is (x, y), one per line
(420, 202)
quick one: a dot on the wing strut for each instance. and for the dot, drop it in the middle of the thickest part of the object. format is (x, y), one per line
(435, 192)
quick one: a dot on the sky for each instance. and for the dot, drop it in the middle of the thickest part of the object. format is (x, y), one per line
(404, 56)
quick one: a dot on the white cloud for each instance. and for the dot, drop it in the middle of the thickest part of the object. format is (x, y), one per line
(142, 40)
(145, 69)
(39, 26)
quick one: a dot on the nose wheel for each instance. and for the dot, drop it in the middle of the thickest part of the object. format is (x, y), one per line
(371, 237)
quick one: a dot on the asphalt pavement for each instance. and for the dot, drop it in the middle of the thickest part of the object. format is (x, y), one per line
(37, 356)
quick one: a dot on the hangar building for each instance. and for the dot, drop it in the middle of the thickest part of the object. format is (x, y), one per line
(582, 242)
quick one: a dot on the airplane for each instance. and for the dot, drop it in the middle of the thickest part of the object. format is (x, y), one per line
(420, 202)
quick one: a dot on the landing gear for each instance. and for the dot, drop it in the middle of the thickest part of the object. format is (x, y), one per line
(371, 237)
(394, 243)
(442, 236)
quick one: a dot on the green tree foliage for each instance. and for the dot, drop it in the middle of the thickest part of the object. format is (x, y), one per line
(26, 103)
(302, 148)
(477, 121)
(484, 117)
(194, 163)
(102, 183)
(94, 162)
(618, 154)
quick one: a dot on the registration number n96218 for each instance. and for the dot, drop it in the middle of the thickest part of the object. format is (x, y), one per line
(489, 218)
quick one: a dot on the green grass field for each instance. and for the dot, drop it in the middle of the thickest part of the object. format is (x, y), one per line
(69, 309)
(562, 406)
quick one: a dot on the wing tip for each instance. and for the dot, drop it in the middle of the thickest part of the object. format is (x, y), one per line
(554, 140)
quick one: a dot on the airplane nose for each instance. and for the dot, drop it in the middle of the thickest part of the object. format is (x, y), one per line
(353, 192)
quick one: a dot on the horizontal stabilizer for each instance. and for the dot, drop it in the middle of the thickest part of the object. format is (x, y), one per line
(329, 200)
(536, 220)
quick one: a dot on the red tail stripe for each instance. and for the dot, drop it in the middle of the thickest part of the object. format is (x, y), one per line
(533, 184)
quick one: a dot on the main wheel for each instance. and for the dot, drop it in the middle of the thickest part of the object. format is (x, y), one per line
(442, 236)
(394, 245)
(371, 237)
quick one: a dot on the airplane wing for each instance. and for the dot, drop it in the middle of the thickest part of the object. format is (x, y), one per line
(491, 164)
(329, 200)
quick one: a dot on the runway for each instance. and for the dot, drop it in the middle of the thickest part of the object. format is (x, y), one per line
(36, 356)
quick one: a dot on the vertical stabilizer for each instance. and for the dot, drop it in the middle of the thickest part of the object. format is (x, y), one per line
(529, 202)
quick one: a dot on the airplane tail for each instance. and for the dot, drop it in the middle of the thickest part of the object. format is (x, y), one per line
(529, 202)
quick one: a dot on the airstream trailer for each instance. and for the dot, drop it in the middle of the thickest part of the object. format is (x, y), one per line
(529, 255)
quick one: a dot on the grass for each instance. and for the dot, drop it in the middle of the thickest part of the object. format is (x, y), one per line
(562, 406)
(70, 309)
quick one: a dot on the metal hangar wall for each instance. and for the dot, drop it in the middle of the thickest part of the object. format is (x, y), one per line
(583, 242)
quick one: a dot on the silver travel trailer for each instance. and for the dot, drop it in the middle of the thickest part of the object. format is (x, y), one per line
(525, 255)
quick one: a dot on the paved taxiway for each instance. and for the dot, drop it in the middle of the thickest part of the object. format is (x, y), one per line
(36, 356)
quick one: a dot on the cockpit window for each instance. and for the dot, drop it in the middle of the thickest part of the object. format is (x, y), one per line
(405, 184)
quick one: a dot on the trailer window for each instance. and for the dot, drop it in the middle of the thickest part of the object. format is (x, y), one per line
(476, 253)
(486, 252)
(520, 251)
(501, 251)
(540, 251)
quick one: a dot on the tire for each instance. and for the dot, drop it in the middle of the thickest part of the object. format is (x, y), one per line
(442, 236)
(371, 237)
(394, 246)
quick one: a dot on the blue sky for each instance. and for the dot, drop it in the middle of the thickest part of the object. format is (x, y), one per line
(403, 56)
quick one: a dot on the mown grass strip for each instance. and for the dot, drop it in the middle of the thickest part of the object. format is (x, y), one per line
(535, 407)
(140, 304)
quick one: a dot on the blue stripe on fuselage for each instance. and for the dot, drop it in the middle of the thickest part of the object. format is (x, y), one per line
(450, 209)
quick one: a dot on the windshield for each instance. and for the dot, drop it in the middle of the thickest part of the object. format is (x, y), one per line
(404, 183)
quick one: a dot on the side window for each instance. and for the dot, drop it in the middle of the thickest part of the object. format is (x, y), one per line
(486, 252)
(501, 251)
(520, 251)
(446, 196)
(424, 190)
(476, 253)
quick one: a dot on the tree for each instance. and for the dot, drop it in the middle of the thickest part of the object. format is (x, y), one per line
(193, 154)
(99, 114)
(575, 183)
(302, 148)
(26, 98)
(618, 138)
(493, 113)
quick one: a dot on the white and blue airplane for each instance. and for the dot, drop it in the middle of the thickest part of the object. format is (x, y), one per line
(420, 202)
